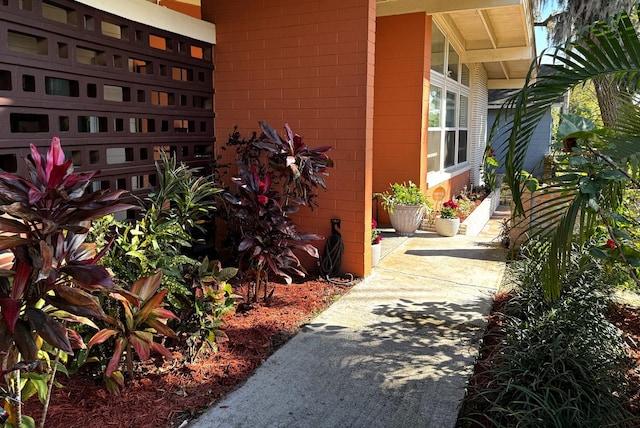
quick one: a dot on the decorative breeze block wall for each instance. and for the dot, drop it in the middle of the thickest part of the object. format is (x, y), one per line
(115, 91)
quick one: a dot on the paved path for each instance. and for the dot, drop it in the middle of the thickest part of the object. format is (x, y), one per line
(396, 351)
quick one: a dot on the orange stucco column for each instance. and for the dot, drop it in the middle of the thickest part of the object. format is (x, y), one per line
(403, 46)
(309, 64)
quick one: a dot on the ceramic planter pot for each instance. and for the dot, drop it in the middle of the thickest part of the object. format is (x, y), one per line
(406, 219)
(447, 226)
(375, 254)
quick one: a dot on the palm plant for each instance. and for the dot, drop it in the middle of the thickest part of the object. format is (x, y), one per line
(572, 14)
(598, 164)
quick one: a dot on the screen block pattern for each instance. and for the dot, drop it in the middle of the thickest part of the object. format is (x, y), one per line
(115, 91)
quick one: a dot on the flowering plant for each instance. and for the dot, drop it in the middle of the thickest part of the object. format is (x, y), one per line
(376, 237)
(449, 210)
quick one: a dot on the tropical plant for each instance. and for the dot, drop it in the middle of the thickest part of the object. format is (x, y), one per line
(45, 221)
(143, 317)
(171, 216)
(599, 165)
(553, 363)
(403, 194)
(275, 176)
(575, 14)
(213, 299)
(182, 195)
(269, 235)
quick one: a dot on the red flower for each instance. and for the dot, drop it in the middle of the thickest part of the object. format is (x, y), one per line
(262, 199)
(451, 204)
(611, 243)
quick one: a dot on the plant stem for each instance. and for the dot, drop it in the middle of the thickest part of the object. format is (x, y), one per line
(129, 359)
(45, 408)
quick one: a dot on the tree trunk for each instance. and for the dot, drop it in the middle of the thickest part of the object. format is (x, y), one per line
(607, 93)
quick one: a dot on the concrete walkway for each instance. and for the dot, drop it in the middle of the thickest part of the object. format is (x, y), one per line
(396, 351)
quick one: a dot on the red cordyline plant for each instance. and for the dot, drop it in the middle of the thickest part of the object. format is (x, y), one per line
(276, 175)
(54, 275)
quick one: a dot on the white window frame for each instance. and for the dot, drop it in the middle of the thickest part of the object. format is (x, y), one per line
(449, 85)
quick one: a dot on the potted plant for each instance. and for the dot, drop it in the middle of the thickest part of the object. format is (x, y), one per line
(448, 222)
(376, 237)
(407, 206)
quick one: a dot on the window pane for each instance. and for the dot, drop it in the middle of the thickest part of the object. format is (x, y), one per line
(464, 112)
(452, 64)
(451, 110)
(466, 75)
(433, 151)
(437, 50)
(462, 146)
(449, 148)
(435, 106)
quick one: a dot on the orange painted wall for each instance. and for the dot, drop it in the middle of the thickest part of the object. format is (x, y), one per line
(177, 5)
(308, 63)
(403, 44)
(451, 187)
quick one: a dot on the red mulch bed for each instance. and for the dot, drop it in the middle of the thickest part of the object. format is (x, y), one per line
(626, 318)
(167, 393)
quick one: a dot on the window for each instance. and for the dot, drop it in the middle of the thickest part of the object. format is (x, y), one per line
(447, 146)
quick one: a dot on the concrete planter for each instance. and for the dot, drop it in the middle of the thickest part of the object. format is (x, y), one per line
(480, 216)
(406, 219)
(447, 226)
(476, 221)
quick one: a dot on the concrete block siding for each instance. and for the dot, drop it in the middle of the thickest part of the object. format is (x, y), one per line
(309, 64)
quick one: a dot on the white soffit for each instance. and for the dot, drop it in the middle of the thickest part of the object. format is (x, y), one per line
(156, 16)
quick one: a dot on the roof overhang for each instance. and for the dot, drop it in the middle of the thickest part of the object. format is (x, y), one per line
(146, 12)
(496, 33)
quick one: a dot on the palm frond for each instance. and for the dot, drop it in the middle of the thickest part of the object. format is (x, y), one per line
(573, 204)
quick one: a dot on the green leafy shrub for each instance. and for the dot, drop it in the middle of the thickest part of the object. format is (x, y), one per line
(171, 214)
(404, 194)
(214, 298)
(196, 290)
(560, 363)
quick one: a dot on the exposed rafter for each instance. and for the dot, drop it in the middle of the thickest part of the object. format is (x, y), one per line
(497, 33)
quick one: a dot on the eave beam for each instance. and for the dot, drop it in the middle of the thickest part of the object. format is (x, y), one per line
(430, 7)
